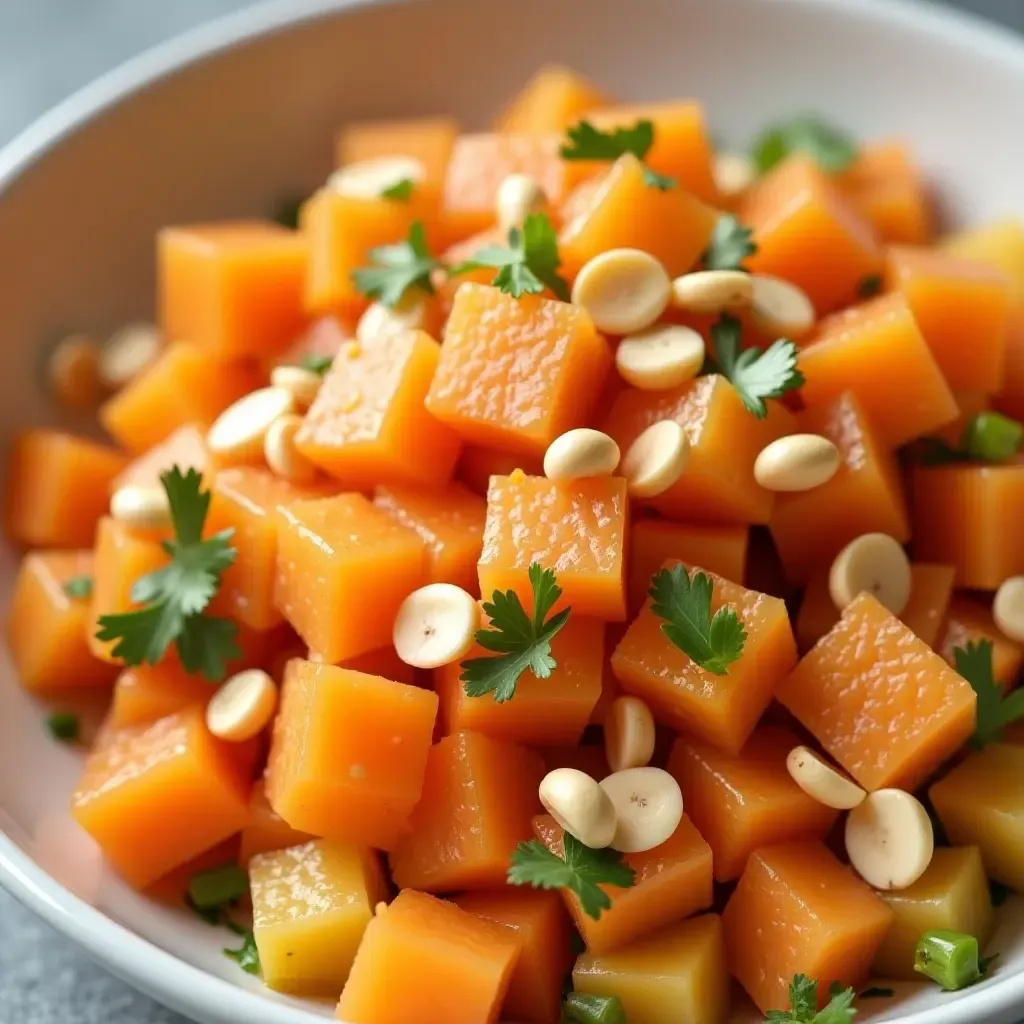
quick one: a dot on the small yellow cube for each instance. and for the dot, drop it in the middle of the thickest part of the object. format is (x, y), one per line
(311, 904)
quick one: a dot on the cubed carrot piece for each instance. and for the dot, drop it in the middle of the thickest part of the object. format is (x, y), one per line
(58, 486)
(879, 700)
(673, 881)
(548, 712)
(959, 519)
(999, 245)
(810, 528)
(246, 499)
(725, 439)
(721, 710)
(741, 802)
(619, 210)
(797, 910)
(184, 448)
(479, 797)
(876, 351)
(1010, 398)
(184, 384)
(970, 619)
(427, 139)
(578, 529)
(145, 693)
(541, 922)
(47, 627)
(477, 465)
(516, 373)
(368, 423)
(809, 233)
(348, 753)
(552, 100)
(343, 569)
(652, 542)
(953, 298)
(453, 962)
(265, 829)
(157, 794)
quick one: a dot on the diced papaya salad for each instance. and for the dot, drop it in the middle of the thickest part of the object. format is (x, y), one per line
(569, 570)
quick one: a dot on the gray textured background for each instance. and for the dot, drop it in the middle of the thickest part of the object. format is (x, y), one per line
(48, 48)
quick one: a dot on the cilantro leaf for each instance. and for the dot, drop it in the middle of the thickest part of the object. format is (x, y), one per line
(832, 149)
(684, 602)
(79, 587)
(581, 870)
(995, 712)
(730, 245)
(397, 268)
(589, 143)
(662, 182)
(317, 363)
(248, 956)
(519, 642)
(803, 1004)
(528, 264)
(401, 190)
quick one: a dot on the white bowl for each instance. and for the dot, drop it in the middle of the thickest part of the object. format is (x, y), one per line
(229, 119)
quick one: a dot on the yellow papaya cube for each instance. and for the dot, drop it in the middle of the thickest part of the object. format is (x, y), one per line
(310, 907)
(676, 974)
(552, 100)
(999, 245)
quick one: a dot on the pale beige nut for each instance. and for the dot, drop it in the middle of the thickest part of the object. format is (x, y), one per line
(141, 507)
(656, 459)
(242, 707)
(580, 806)
(734, 173)
(283, 457)
(648, 805)
(875, 563)
(798, 462)
(127, 352)
(623, 290)
(889, 839)
(581, 453)
(821, 782)
(73, 371)
(628, 734)
(781, 309)
(368, 179)
(1008, 608)
(435, 625)
(660, 357)
(711, 292)
(380, 322)
(518, 195)
(302, 384)
(240, 431)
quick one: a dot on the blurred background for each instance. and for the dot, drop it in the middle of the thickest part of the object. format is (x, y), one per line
(48, 49)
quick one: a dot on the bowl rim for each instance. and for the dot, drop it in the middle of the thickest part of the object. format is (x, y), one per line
(126, 954)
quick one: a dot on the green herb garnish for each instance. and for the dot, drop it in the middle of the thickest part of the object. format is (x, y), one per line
(398, 268)
(730, 245)
(218, 887)
(64, 726)
(952, 959)
(401, 190)
(248, 956)
(317, 363)
(589, 1009)
(995, 712)
(589, 143)
(79, 587)
(803, 1005)
(986, 437)
(832, 149)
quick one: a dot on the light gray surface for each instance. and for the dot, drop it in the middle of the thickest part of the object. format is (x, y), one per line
(48, 48)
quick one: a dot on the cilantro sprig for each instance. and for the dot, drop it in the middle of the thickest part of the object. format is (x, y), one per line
(79, 587)
(986, 437)
(247, 956)
(175, 596)
(684, 602)
(589, 143)
(729, 246)
(833, 150)
(803, 1005)
(519, 642)
(401, 190)
(528, 264)
(317, 363)
(580, 869)
(995, 712)
(398, 268)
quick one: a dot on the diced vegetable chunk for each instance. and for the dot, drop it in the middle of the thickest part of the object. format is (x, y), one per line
(999, 245)
(148, 692)
(554, 98)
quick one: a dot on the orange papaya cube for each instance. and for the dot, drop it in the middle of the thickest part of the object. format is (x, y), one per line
(876, 351)
(184, 448)
(741, 802)
(952, 298)
(540, 920)
(578, 529)
(652, 542)
(552, 100)
(477, 465)
(516, 373)
(234, 288)
(155, 795)
(145, 693)
(453, 962)
(725, 439)
(999, 244)
(1010, 399)
(478, 801)
(810, 528)
(265, 829)
(618, 210)
(721, 710)
(449, 521)
(184, 384)
(426, 139)
(673, 881)
(959, 519)
(931, 589)
(368, 422)
(970, 619)
(797, 910)
(879, 700)
(348, 753)
(343, 569)
(58, 486)
(549, 712)
(245, 499)
(47, 627)
(809, 233)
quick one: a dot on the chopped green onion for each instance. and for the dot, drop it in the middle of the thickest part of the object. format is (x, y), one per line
(63, 726)
(248, 956)
(588, 1009)
(992, 436)
(217, 887)
(951, 959)
(79, 586)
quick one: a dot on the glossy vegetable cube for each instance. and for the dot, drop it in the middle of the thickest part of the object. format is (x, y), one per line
(310, 907)
(427, 139)
(971, 619)
(382, 662)
(145, 693)
(265, 830)
(552, 100)
(184, 448)
(879, 700)
(999, 245)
